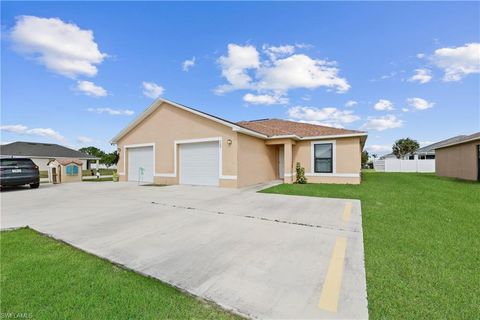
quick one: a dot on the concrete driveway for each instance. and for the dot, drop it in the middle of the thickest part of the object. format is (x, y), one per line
(260, 255)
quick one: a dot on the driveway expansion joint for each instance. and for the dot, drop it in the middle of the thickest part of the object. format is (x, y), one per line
(302, 224)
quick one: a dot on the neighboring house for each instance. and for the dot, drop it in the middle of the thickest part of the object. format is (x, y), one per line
(43, 153)
(173, 144)
(424, 153)
(63, 170)
(460, 159)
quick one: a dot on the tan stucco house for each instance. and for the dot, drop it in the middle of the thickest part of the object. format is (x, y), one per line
(460, 159)
(170, 143)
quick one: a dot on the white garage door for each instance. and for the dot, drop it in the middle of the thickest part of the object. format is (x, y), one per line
(140, 164)
(199, 163)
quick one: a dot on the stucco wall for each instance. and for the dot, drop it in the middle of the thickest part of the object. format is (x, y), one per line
(167, 124)
(458, 161)
(348, 161)
(257, 162)
(65, 178)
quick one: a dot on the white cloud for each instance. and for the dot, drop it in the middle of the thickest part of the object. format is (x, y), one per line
(378, 148)
(91, 89)
(264, 99)
(425, 143)
(187, 64)
(405, 109)
(421, 75)
(24, 130)
(112, 112)
(383, 105)
(420, 104)
(276, 52)
(323, 116)
(84, 140)
(281, 71)
(458, 62)
(152, 90)
(300, 71)
(62, 47)
(235, 66)
(351, 103)
(382, 123)
(420, 55)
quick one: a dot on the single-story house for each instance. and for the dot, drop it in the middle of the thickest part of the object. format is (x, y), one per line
(170, 143)
(426, 152)
(42, 153)
(63, 170)
(460, 159)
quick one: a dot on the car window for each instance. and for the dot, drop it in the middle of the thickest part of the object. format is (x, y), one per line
(15, 162)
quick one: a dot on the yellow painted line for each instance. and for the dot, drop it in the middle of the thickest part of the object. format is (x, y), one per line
(333, 280)
(347, 211)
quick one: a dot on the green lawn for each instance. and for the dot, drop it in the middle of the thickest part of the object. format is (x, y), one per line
(47, 279)
(422, 243)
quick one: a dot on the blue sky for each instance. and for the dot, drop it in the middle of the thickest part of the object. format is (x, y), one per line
(77, 73)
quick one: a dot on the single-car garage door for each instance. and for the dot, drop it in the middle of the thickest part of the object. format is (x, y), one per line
(140, 164)
(199, 163)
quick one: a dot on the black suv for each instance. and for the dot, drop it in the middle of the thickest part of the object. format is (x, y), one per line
(19, 171)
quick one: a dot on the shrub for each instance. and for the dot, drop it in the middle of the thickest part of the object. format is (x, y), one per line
(301, 179)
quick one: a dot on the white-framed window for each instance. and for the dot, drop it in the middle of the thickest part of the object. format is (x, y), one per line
(323, 157)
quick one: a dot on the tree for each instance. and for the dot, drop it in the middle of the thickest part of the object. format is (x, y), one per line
(110, 159)
(364, 158)
(92, 151)
(404, 147)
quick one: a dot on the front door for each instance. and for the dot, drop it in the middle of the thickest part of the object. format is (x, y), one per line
(281, 162)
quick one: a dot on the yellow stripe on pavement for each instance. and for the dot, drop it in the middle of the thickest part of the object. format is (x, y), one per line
(333, 280)
(347, 212)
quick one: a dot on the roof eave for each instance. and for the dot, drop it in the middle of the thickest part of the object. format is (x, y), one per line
(457, 143)
(157, 104)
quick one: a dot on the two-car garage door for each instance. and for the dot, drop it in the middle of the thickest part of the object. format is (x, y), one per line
(199, 163)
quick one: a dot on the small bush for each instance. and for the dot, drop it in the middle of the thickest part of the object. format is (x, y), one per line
(301, 179)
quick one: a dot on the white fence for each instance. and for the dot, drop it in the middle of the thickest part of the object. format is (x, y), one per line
(397, 165)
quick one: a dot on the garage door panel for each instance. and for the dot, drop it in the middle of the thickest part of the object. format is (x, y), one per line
(140, 157)
(199, 163)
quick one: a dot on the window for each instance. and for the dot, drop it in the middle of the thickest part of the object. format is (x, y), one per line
(323, 158)
(72, 170)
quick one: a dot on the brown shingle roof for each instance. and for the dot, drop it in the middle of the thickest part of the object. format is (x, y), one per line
(278, 127)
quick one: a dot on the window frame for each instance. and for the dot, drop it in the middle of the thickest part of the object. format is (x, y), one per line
(333, 157)
(315, 158)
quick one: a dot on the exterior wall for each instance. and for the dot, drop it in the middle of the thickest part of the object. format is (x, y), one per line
(257, 162)
(347, 159)
(41, 163)
(65, 178)
(168, 124)
(459, 161)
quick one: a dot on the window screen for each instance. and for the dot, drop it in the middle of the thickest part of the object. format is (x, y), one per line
(323, 157)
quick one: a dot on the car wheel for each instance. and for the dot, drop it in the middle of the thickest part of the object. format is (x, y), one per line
(34, 185)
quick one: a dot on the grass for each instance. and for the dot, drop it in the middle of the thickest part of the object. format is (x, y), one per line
(47, 279)
(422, 243)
